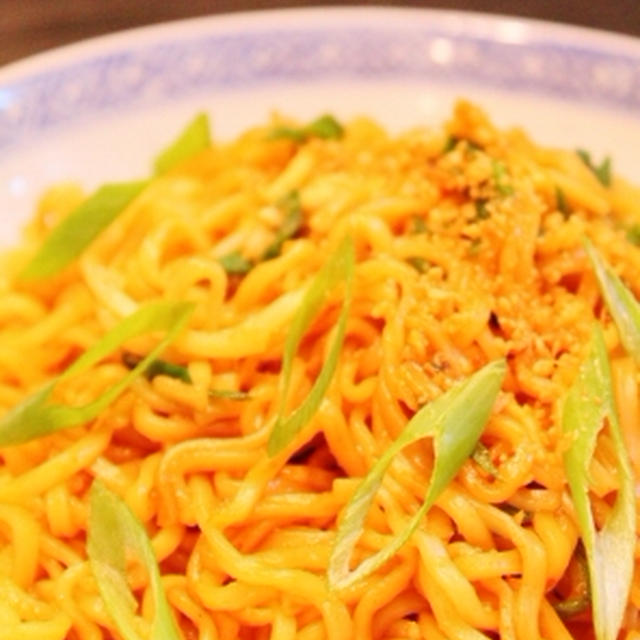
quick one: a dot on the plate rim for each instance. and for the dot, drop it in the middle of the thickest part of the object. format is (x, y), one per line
(476, 22)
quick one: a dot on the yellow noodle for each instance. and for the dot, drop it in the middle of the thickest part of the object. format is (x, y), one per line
(454, 267)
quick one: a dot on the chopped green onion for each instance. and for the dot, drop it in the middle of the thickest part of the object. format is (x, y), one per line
(499, 178)
(602, 171)
(229, 394)
(339, 268)
(325, 126)
(34, 417)
(418, 224)
(235, 263)
(291, 224)
(114, 532)
(455, 420)
(610, 551)
(76, 232)
(80, 228)
(622, 305)
(574, 605)
(633, 234)
(420, 264)
(482, 457)
(561, 203)
(482, 213)
(474, 247)
(193, 139)
(160, 367)
(450, 144)
(157, 368)
(580, 600)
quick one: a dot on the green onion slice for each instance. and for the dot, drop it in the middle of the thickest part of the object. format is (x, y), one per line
(291, 224)
(610, 551)
(602, 171)
(80, 228)
(620, 301)
(114, 534)
(455, 420)
(235, 263)
(158, 367)
(194, 138)
(76, 232)
(326, 126)
(34, 417)
(339, 268)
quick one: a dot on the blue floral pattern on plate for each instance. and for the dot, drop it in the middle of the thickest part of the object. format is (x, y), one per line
(126, 76)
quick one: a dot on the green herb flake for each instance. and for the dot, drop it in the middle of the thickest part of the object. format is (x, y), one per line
(339, 268)
(193, 139)
(450, 144)
(590, 405)
(35, 417)
(418, 225)
(482, 457)
(290, 226)
(474, 247)
(500, 177)
(561, 203)
(326, 127)
(602, 171)
(482, 213)
(76, 232)
(420, 264)
(235, 263)
(114, 534)
(455, 421)
(157, 368)
(574, 605)
(79, 229)
(229, 394)
(620, 301)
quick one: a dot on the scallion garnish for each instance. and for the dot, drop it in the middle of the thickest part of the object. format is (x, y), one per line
(78, 230)
(235, 263)
(193, 139)
(115, 534)
(622, 305)
(455, 421)
(420, 264)
(633, 234)
(602, 171)
(500, 178)
(482, 213)
(339, 268)
(561, 203)
(158, 367)
(326, 126)
(35, 417)
(161, 367)
(291, 224)
(481, 455)
(229, 394)
(610, 551)
(418, 224)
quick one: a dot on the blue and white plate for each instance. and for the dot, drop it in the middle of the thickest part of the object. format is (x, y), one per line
(99, 110)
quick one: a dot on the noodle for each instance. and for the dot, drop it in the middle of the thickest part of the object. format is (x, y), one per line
(468, 245)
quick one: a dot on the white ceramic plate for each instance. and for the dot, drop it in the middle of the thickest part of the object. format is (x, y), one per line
(99, 110)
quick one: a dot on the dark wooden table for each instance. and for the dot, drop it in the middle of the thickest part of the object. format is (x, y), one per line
(31, 26)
